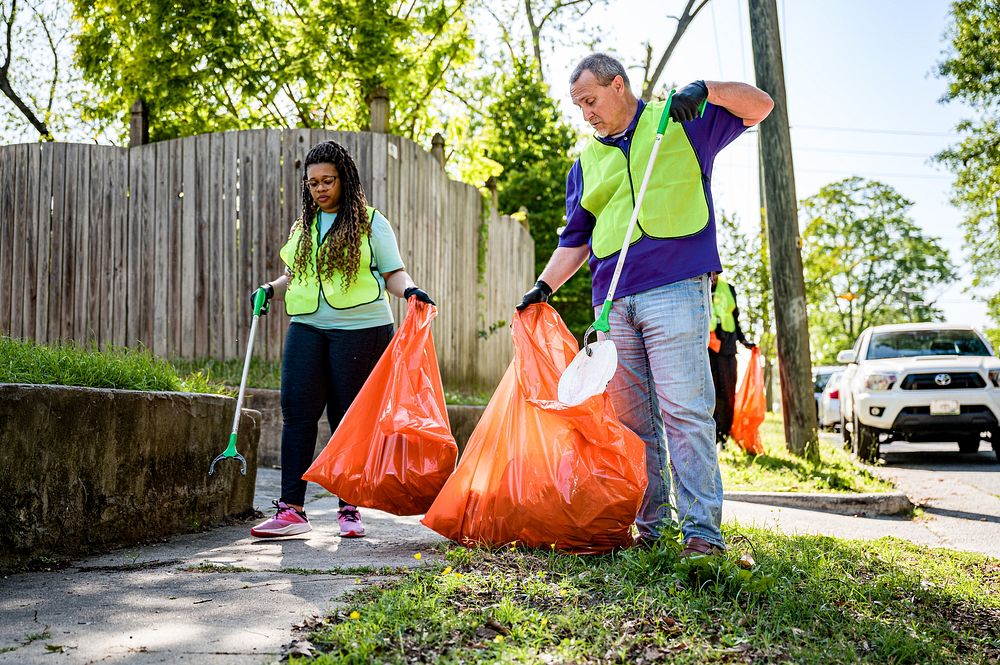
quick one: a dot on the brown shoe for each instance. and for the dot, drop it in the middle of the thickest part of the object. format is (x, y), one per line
(700, 547)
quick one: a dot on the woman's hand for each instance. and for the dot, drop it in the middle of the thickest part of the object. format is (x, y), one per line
(419, 294)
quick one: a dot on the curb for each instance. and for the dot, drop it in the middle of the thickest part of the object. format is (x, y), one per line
(883, 503)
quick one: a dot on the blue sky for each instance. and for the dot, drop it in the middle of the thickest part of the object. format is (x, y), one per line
(862, 99)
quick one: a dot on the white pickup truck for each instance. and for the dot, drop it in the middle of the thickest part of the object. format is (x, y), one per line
(920, 382)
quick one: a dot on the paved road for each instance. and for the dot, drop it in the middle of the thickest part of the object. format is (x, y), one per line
(958, 494)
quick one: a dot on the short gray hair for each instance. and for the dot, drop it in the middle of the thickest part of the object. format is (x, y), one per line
(602, 66)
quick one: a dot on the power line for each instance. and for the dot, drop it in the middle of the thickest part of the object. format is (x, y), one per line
(902, 132)
(878, 153)
(873, 174)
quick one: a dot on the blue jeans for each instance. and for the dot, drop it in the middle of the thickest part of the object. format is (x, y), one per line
(663, 386)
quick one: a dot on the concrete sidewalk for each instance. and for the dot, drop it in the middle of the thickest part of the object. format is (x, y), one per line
(214, 597)
(224, 597)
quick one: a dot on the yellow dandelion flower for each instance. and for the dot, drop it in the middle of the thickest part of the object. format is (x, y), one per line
(446, 570)
(417, 556)
(498, 639)
(355, 615)
(543, 622)
(562, 592)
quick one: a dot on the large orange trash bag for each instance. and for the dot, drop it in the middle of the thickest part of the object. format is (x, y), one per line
(748, 412)
(394, 449)
(536, 471)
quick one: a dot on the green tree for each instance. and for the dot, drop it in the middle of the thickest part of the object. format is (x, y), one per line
(974, 78)
(236, 64)
(865, 263)
(527, 137)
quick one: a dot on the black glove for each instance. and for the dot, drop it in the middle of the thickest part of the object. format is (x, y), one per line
(686, 101)
(749, 344)
(268, 294)
(540, 292)
(420, 295)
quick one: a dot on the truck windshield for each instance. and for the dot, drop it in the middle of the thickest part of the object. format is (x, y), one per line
(906, 343)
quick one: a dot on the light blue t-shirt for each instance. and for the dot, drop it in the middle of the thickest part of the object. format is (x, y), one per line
(385, 259)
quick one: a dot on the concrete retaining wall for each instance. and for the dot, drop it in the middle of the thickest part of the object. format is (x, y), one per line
(83, 470)
(463, 420)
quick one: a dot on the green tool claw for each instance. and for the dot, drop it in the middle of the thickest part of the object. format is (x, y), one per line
(701, 109)
(229, 453)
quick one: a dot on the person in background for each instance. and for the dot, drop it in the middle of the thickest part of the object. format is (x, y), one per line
(725, 332)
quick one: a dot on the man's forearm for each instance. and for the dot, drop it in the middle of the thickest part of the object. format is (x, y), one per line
(741, 99)
(564, 263)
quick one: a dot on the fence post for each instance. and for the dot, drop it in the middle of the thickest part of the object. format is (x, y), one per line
(378, 108)
(139, 124)
(437, 148)
(491, 184)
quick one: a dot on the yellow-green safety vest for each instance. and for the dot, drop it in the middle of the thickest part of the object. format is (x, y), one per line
(675, 204)
(303, 297)
(723, 306)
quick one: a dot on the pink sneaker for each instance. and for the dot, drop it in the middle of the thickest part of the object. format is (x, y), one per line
(286, 522)
(349, 519)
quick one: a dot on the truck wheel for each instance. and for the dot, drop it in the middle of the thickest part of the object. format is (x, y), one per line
(865, 442)
(969, 444)
(995, 442)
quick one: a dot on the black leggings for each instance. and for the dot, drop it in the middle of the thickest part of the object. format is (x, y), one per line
(320, 369)
(724, 377)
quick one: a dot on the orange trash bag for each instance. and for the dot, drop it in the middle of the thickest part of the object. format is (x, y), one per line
(394, 448)
(714, 343)
(536, 471)
(748, 412)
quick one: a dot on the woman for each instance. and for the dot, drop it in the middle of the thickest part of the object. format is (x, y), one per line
(341, 258)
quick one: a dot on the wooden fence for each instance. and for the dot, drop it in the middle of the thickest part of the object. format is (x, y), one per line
(159, 245)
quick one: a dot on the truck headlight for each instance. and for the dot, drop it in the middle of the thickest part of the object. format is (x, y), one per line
(879, 381)
(995, 377)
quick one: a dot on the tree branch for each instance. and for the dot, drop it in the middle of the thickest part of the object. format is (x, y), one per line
(5, 84)
(682, 24)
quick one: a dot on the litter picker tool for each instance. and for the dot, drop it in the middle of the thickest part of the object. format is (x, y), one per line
(595, 364)
(260, 306)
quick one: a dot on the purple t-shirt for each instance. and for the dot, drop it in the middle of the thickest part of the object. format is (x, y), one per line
(651, 262)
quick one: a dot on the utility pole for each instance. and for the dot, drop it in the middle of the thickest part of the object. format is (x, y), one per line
(798, 403)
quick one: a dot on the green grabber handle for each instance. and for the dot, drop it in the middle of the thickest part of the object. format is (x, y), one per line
(260, 305)
(602, 324)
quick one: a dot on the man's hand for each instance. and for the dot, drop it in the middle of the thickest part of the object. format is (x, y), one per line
(419, 294)
(748, 344)
(540, 292)
(687, 101)
(268, 294)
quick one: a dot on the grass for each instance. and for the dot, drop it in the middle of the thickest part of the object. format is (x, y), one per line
(74, 365)
(266, 375)
(806, 599)
(263, 374)
(778, 470)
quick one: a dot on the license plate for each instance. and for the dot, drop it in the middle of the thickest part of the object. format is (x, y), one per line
(945, 407)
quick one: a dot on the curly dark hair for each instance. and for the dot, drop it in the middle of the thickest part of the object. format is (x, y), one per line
(341, 252)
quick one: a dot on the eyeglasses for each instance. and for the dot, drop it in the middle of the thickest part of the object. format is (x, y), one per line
(313, 185)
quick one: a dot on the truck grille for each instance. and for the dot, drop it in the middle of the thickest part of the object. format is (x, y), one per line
(954, 381)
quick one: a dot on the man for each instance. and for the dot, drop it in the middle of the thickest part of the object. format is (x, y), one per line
(726, 332)
(660, 318)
